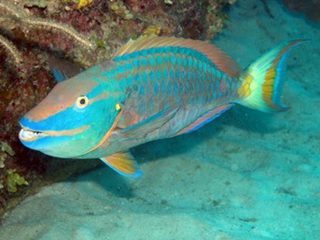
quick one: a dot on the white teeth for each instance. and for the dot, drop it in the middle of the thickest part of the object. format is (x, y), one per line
(26, 135)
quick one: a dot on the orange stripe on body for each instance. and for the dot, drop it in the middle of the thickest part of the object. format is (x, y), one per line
(217, 56)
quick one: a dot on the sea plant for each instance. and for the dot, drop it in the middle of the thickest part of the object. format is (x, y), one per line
(14, 180)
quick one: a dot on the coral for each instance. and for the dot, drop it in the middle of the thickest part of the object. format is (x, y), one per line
(30, 26)
(10, 9)
(120, 9)
(11, 50)
(54, 26)
(138, 6)
(197, 19)
(152, 30)
(215, 16)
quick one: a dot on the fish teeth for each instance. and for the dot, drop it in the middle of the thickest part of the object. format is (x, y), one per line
(29, 135)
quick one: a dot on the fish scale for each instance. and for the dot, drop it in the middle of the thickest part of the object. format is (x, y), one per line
(184, 81)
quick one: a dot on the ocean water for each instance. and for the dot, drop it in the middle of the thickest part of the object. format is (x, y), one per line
(247, 175)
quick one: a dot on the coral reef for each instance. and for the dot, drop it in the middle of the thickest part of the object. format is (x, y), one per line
(84, 32)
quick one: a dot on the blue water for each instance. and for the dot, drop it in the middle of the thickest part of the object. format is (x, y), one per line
(247, 175)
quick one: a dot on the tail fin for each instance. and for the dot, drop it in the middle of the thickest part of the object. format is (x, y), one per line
(261, 81)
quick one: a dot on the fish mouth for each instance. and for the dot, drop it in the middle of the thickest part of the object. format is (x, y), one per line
(29, 135)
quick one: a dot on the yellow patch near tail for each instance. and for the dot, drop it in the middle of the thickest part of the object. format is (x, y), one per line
(244, 90)
(261, 82)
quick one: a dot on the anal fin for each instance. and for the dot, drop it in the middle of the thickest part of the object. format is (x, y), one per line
(123, 163)
(205, 118)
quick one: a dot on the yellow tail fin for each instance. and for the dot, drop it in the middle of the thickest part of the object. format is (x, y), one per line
(261, 81)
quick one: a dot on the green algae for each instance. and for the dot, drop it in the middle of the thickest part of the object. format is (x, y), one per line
(10, 179)
(14, 180)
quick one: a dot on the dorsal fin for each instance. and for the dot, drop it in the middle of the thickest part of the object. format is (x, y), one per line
(217, 56)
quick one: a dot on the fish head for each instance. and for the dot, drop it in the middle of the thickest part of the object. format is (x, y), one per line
(72, 119)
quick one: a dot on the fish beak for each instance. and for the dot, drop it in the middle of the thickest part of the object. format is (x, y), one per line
(29, 135)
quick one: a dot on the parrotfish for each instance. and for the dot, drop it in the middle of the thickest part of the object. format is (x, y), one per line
(152, 88)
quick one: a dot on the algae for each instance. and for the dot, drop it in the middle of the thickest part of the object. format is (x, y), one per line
(14, 180)
(84, 3)
(120, 9)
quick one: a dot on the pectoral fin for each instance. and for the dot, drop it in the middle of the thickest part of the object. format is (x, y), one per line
(123, 163)
(148, 125)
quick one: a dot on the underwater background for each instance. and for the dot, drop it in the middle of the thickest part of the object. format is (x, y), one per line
(246, 175)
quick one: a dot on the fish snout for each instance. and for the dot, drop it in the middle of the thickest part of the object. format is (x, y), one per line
(28, 133)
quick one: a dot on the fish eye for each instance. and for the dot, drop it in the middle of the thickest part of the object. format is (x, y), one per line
(82, 101)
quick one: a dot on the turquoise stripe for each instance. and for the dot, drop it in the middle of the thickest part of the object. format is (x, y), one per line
(180, 68)
(165, 50)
